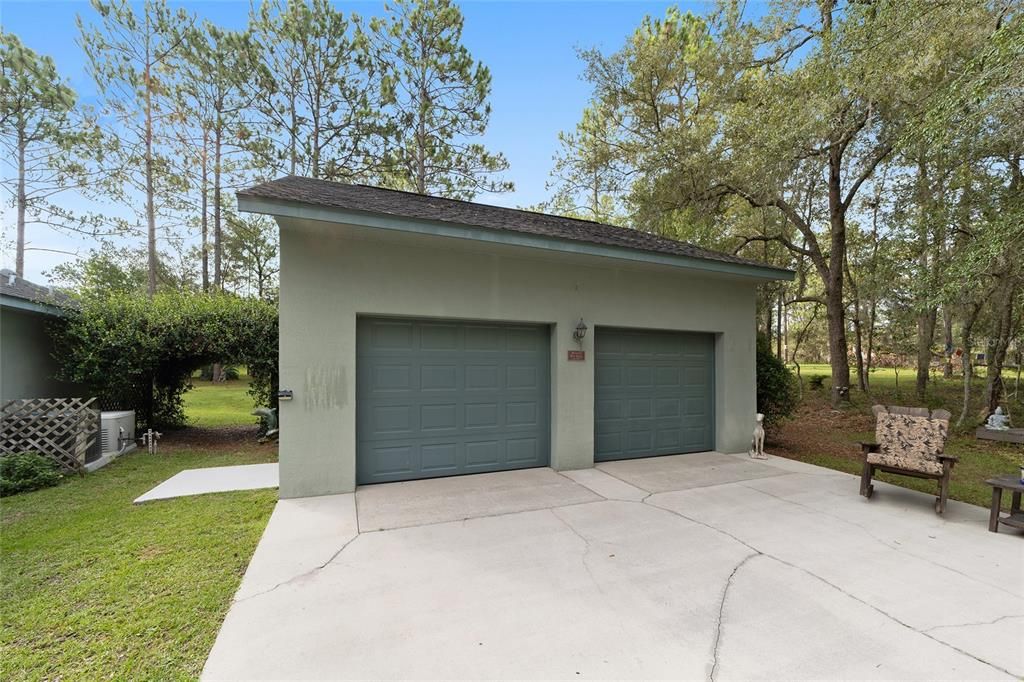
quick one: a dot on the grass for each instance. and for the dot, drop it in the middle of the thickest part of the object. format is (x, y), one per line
(225, 403)
(822, 436)
(94, 587)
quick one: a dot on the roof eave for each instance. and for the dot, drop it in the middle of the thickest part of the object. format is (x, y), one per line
(28, 306)
(306, 211)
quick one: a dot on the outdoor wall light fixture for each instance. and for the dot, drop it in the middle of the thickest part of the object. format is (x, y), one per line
(579, 332)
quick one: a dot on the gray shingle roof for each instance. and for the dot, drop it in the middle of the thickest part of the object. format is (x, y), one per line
(366, 199)
(16, 287)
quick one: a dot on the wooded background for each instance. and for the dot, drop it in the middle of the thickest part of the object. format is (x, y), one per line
(873, 146)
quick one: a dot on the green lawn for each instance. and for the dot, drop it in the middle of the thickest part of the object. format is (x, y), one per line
(225, 403)
(819, 435)
(94, 587)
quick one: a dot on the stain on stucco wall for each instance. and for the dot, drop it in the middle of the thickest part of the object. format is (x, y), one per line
(325, 388)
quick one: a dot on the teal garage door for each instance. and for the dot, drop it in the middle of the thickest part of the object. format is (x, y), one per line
(440, 398)
(654, 393)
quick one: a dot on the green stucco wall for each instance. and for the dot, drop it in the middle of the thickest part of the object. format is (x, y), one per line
(26, 364)
(331, 273)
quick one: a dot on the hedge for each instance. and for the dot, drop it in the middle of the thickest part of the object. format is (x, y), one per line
(137, 353)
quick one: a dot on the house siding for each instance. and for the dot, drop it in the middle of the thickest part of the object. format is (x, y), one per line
(332, 273)
(27, 366)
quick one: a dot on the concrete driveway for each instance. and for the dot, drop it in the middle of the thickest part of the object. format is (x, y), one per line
(702, 566)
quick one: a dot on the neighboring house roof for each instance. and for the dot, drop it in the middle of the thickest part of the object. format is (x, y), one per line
(407, 205)
(17, 292)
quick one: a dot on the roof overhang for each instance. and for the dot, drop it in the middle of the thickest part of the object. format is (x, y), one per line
(303, 211)
(27, 306)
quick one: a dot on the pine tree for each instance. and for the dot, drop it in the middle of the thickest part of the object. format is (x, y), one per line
(130, 55)
(48, 138)
(436, 97)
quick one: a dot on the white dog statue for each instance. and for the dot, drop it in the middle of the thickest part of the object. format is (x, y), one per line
(757, 445)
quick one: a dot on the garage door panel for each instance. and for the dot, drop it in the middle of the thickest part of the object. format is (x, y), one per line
(523, 450)
(667, 376)
(391, 378)
(640, 441)
(395, 459)
(609, 442)
(609, 409)
(393, 335)
(438, 337)
(640, 377)
(667, 407)
(640, 408)
(483, 377)
(653, 393)
(481, 339)
(439, 417)
(522, 376)
(487, 454)
(391, 419)
(521, 414)
(524, 339)
(667, 438)
(439, 378)
(608, 376)
(438, 398)
(481, 416)
(440, 457)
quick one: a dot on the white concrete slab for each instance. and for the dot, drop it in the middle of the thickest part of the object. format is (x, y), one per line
(303, 535)
(779, 572)
(852, 641)
(214, 480)
(415, 503)
(606, 485)
(681, 472)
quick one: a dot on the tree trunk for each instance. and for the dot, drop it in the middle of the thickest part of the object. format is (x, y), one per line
(785, 337)
(925, 336)
(858, 340)
(19, 261)
(150, 208)
(778, 328)
(205, 211)
(970, 317)
(834, 304)
(947, 325)
(421, 123)
(858, 352)
(314, 146)
(218, 282)
(293, 134)
(869, 359)
(996, 358)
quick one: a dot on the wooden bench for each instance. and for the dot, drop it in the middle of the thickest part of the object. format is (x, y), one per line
(909, 441)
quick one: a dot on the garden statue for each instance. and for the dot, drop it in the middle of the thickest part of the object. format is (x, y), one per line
(268, 420)
(998, 421)
(757, 445)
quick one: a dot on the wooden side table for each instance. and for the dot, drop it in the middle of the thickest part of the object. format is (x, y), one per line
(1016, 516)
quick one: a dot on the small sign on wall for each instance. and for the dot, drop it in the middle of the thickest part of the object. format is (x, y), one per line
(577, 356)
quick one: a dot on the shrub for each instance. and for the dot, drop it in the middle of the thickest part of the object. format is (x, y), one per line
(26, 471)
(777, 391)
(138, 353)
(816, 382)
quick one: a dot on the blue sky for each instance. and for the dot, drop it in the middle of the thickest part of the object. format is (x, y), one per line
(530, 48)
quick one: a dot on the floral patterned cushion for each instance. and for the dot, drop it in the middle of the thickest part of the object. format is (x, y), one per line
(910, 442)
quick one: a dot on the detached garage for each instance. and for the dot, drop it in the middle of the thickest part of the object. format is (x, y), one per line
(425, 337)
